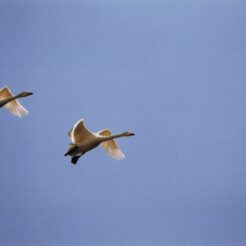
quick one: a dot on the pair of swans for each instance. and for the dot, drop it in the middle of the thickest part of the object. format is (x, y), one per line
(82, 139)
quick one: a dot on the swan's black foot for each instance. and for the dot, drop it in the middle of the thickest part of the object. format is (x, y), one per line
(75, 159)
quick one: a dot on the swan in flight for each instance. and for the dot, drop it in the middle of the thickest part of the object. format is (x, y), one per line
(10, 102)
(83, 141)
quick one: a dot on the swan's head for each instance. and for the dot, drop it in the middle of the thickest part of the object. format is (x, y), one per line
(128, 133)
(25, 94)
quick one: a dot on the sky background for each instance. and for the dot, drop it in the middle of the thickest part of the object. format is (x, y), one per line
(174, 73)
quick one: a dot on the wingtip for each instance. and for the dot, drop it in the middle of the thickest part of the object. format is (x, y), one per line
(116, 154)
(79, 121)
(21, 112)
(121, 158)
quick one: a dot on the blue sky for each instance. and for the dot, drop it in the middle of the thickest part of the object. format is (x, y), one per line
(171, 71)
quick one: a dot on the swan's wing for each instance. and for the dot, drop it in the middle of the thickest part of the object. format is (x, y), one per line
(79, 133)
(110, 146)
(5, 93)
(14, 106)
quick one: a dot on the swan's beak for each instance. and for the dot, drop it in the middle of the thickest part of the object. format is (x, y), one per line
(132, 134)
(30, 93)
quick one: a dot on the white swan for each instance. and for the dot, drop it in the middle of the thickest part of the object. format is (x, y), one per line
(83, 141)
(10, 102)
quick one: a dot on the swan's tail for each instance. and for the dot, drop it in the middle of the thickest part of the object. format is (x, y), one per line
(71, 148)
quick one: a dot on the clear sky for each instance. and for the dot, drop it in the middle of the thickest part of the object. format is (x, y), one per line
(174, 73)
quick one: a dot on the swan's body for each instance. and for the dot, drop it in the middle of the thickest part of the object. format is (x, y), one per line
(10, 102)
(83, 141)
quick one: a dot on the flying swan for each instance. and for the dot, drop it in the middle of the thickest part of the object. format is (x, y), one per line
(10, 102)
(83, 141)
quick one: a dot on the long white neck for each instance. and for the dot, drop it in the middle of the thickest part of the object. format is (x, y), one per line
(18, 96)
(7, 100)
(107, 138)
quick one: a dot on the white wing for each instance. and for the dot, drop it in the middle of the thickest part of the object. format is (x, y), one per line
(14, 106)
(79, 133)
(110, 146)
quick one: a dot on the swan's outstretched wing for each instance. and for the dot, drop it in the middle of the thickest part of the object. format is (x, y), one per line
(14, 106)
(79, 133)
(110, 146)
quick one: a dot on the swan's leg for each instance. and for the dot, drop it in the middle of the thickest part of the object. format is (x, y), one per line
(75, 159)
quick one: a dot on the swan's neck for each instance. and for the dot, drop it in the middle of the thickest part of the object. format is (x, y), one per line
(7, 100)
(18, 96)
(107, 138)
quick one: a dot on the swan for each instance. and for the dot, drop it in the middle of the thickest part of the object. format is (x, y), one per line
(83, 141)
(10, 102)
